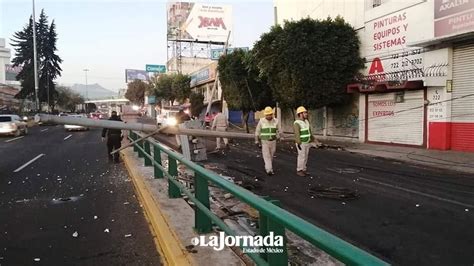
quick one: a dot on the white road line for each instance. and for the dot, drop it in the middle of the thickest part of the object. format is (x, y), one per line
(419, 193)
(28, 163)
(43, 130)
(14, 139)
(67, 137)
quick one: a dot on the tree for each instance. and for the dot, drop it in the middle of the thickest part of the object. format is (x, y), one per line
(181, 87)
(161, 87)
(136, 91)
(309, 62)
(242, 87)
(23, 46)
(68, 99)
(197, 103)
(48, 61)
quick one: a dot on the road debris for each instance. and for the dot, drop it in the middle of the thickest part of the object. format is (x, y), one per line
(466, 210)
(75, 234)
(128, 235)
(106, 230)
(37, 259)
(417, 205)
(95, 217)
(333, 192)
(126, 203)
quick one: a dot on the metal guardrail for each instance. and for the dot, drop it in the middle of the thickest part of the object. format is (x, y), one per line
(272, 218)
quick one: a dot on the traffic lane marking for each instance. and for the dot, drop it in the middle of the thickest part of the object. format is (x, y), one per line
(28, 163)
(14, 139)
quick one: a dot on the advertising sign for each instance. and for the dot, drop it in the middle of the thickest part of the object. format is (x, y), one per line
(198, 22)
(133, 74)
(216, 53)
(11, 72)
(453, 16)
(155, 68)
(203, 75)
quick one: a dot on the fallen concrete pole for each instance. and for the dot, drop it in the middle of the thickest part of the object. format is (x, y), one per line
(138, 127)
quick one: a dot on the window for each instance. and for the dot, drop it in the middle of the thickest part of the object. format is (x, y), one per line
(5, 119)
(400, 96)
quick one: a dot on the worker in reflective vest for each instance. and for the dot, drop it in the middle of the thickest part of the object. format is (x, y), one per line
(303, 139)
(266, 135)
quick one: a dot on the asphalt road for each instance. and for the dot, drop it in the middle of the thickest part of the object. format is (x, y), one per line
(70, 206)
(405, 213)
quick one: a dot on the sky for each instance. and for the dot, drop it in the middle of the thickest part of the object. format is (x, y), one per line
(108, 37)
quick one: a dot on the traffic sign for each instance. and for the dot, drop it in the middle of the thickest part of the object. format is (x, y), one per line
(156, 68)
(216, 53)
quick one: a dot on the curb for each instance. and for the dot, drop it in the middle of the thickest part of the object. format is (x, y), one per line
(167, 243)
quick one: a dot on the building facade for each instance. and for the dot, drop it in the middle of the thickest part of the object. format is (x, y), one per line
(417, 88)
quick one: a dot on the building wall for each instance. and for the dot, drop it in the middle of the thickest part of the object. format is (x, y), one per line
(4, 59)
(352, 11)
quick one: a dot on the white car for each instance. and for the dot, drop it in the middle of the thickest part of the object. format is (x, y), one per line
(76, 127)
(12, 125)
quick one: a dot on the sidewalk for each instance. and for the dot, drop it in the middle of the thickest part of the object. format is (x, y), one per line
(453, 160)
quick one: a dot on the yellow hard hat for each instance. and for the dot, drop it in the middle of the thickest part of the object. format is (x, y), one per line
(268, 111)
(300, 110)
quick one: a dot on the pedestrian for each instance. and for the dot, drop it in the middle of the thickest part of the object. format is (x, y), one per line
(266, 134)
(303, 139)
(220, 124)
(114, 138)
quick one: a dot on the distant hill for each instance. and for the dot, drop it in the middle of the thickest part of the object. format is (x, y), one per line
(94, 91)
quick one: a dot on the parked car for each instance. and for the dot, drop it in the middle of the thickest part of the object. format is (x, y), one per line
(12, 125)
(76, 127)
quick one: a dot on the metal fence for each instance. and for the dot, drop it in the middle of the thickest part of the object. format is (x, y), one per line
(271, 217)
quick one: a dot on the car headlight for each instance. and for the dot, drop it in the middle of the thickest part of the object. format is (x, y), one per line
(171, 121)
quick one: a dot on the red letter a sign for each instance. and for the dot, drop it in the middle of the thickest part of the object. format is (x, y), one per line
(376, 67)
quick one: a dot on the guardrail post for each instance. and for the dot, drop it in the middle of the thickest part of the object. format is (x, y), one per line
(146, 145)
(173, 190)
(157, 157)
(267, 225)
(134, 137)
(140, 152)
(202, 223)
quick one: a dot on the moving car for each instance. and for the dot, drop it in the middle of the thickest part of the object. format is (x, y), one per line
(76, 127)
(12, 125)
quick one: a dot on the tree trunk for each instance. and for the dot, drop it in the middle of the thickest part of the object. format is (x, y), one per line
(245, 120)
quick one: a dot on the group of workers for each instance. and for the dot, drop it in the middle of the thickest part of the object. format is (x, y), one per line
(268, 132)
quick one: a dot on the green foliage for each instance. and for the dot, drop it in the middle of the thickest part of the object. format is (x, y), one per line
(68, 99)
(171, 87)
(241, 85)
(180, 86)
(136, 91)
(48, 61)
(309, 62)
(197, 103)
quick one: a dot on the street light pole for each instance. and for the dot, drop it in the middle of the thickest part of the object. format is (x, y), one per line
(87, 92)
(35, 63)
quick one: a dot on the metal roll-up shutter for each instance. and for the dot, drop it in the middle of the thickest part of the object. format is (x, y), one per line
(396, 122)
(462, 110)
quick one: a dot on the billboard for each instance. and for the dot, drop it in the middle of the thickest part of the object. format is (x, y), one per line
(198, 22)
(453, 17)
(133, 74)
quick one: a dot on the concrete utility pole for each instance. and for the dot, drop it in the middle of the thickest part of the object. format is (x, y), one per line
(35, 63)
